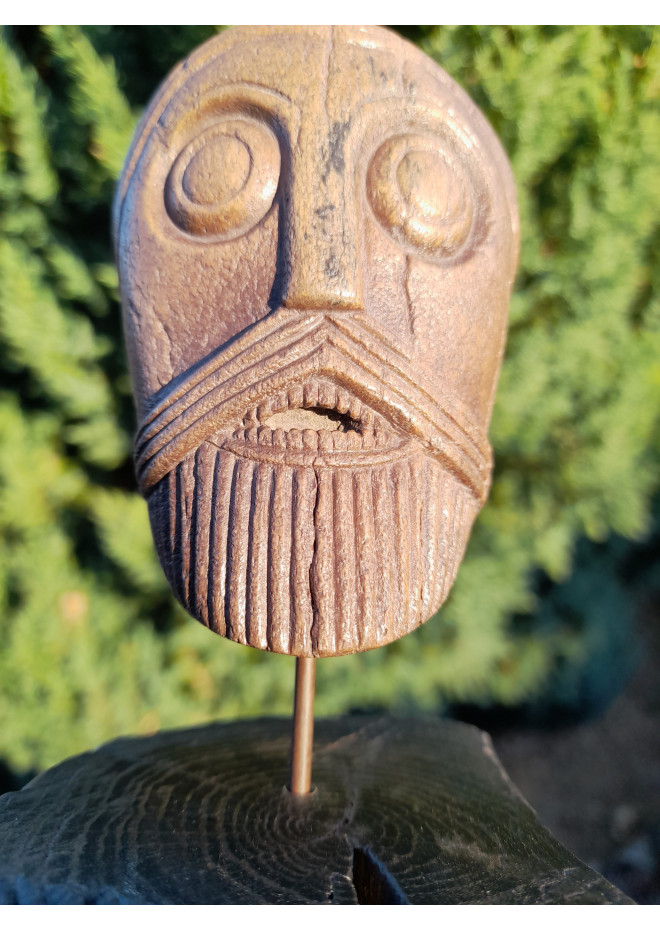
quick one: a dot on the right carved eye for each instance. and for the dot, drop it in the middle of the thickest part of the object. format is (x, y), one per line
(224, 181)
(424, 197)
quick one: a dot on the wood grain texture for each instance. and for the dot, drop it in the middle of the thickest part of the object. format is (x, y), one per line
(403, 812)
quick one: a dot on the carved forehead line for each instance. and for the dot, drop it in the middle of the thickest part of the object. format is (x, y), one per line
(381, 113)
(230, 98)
(398, 115)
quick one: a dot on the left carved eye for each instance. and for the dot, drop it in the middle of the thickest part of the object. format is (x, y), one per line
(224, 181)
(423, 196)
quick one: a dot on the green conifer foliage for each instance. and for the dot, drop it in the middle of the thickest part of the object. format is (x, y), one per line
(91, 643)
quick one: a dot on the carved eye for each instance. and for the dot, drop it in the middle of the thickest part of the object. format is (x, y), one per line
(424, 197)
(224, 181)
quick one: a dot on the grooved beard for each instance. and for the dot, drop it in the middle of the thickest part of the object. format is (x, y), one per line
(311, 561)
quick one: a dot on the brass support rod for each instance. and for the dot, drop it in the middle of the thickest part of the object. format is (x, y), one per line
(302, 740)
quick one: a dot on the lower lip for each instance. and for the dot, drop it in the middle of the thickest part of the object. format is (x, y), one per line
(315, 440)
(313, 448)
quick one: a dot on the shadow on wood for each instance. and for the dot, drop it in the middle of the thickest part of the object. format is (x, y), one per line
(402, 812)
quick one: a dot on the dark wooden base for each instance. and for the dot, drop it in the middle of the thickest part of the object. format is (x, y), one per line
(403, 812)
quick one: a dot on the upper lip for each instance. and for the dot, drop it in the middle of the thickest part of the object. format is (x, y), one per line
(286, 348)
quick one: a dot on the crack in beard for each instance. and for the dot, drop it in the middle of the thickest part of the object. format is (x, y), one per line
(310, 561)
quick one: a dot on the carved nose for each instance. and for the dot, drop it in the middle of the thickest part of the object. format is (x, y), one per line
(322, 295)
(322, 279)
(322, 237)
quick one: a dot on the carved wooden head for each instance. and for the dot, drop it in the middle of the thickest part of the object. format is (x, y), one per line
(317, 236)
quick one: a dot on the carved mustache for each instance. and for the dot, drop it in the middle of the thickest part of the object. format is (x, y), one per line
(347, 350)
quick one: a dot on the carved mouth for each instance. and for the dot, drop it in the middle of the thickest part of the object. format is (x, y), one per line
(316, 423)
(211, 400)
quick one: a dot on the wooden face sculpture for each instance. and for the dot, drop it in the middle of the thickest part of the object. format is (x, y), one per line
(317, 236)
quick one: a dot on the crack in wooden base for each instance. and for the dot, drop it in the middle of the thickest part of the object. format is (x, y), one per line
(401, 812)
